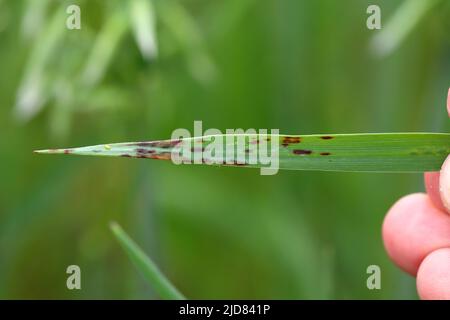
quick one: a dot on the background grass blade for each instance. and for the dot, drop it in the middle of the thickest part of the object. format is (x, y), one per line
(33, 90)
(105, 46)
(143, 263)
(410, 13)
(382, 152)
(189, 38)
(142, 17)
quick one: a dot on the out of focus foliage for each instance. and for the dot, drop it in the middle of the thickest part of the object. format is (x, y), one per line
(139, 69)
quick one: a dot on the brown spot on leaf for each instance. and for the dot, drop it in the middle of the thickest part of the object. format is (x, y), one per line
(142, 151)
(234, 163)
(326, 137)
(165, 144)
(162, 156)
(325, 153)
(301, 152)
(290, 140)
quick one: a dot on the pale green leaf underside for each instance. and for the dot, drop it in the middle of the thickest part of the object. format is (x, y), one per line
(376, 152)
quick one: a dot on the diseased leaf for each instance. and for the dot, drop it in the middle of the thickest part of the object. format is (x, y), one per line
(375, 152)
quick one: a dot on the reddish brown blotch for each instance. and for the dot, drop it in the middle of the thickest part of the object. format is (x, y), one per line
(290, 140)
(301, 151)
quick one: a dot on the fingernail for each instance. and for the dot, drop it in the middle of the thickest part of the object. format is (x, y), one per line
(448, 102)
(432, 187)
(444, 184)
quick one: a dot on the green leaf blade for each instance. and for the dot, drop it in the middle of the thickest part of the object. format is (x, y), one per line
(384, 152)
(368, 152)
(163, 287)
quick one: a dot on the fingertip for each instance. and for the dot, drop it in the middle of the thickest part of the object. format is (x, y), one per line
(412, 229)
(448, 102)
(433, 276)
(444, 184)
(432, 187)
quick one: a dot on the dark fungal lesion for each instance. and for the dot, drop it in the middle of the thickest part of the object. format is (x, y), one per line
(142, 151)
(159, 156)
(290, 140)
(165, 144)
(234, 163)
(326, 137)
(308, 152)
(301, 152)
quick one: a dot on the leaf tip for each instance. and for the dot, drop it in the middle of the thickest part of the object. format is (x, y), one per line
(43, 151)
(50, 151)
(114, 226)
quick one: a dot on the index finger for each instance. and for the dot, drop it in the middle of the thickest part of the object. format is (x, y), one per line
(439, 190)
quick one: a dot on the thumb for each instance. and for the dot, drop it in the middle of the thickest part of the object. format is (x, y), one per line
(444, 179)
(448, 102)
(444, 184)
(438, 183)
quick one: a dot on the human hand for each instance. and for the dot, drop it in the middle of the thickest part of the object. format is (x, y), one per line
(416, 233)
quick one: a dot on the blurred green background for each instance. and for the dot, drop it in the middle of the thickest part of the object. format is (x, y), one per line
(139, 69)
